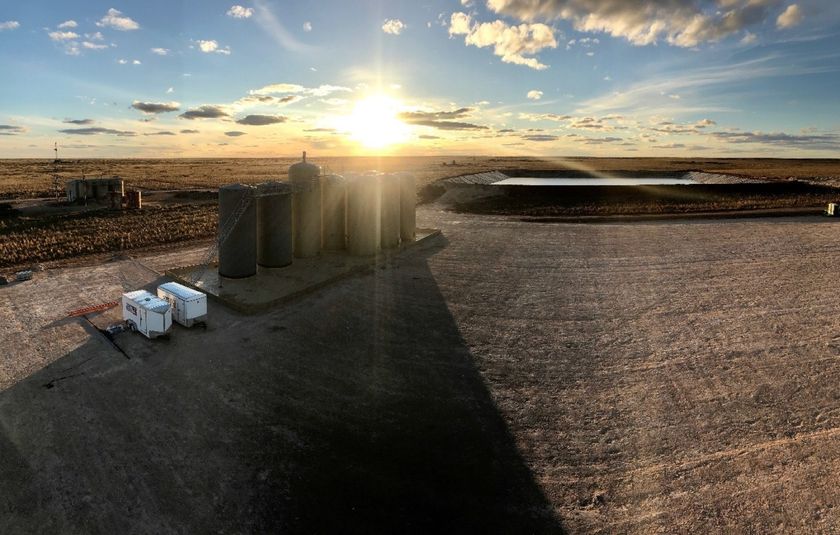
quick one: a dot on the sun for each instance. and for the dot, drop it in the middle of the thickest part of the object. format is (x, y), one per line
(374, 122)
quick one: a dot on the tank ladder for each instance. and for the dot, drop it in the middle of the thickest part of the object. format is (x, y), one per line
(225, 231)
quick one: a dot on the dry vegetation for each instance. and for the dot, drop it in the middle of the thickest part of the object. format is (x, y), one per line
(59, 235)
(33, 178)
(29, 240)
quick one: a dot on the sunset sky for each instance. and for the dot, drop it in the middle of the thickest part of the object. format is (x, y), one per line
(508, 77)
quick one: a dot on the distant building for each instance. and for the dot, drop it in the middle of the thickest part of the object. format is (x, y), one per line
(93, 189)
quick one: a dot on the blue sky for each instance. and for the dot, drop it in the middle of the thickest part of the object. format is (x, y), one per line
(508, 77)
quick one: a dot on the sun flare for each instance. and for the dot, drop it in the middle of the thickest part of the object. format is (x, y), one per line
(374, 122)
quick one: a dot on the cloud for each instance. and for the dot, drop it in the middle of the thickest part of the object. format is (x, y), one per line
(63, 36)
(122, 61)
(393, 26)
(93, 46)
(160, 133)
(135, 62)
(544, 117)
(205, 112)
(235, 133)
(115, 19)
(534, 94)
(426, 136)
(307, 26)
(261, 120)
(278, 88)
(814, 141)
(511, 43)
(239, 12)
(790, 17)
(67, 24)
(170, 90)
(189, 131)
(155, 107)
(272, 26)
(160, 51)
(79, 122)
(96, 131)
(11, 130)
(95, 36)
(598, 140)
(645, 22)
(9, 25)
(440, 119)
(211, 46)
(267, 100)
(540, 137)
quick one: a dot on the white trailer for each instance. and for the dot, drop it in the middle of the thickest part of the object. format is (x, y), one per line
(146, 313)
(189, 306)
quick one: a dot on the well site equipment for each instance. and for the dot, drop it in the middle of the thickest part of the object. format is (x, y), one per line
(147, 314)
(334, 213)
(306, 181)
(188, 306)
(408, 208)
(93, 189)
(238, 251)
(274, 224)
(364, 202)
(390, 211)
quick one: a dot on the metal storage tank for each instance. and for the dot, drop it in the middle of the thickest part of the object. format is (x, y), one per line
(363, 215)
(306, 182)
(238, 252)
(274, 224)
(334, 212)
(390, 211)
(408, 208)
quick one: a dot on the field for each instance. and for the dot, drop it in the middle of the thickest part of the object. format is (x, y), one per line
(676, 377)
(34, 178)
(47, 232)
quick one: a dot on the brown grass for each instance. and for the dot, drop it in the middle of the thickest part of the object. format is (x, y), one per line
(33, 178)
(30, 240)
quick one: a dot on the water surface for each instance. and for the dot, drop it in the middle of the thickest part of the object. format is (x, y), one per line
(594, 181)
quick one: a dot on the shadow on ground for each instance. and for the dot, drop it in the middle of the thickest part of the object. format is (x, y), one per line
(358, 409)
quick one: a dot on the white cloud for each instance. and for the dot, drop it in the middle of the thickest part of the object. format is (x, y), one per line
(93, 46)
(67, 24)
(115, 19)
(790, 17)
(160, 51)
(278, 88)
(95, 36)
(749, 38)
(511, 43)
(170, 90)
(393, 26)
(644, 22)
(135, 62)
(239, 12)
(122, 61)
(9, 25)
(63, 36)
(212, 46)
(307, 26)
(534, 94)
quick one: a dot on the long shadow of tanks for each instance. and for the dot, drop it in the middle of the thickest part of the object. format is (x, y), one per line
(357, 409)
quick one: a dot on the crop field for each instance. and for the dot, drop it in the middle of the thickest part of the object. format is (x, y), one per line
(34, 178)
(27, 240)
(54, 233)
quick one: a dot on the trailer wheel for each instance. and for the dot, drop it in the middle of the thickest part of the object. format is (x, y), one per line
(131, 326)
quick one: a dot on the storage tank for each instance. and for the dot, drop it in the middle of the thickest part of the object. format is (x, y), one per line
(334, 212)
(390, 211)
(238, 251)
(274, 224)
(408, 208)
(306, 182)
(363, 215)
